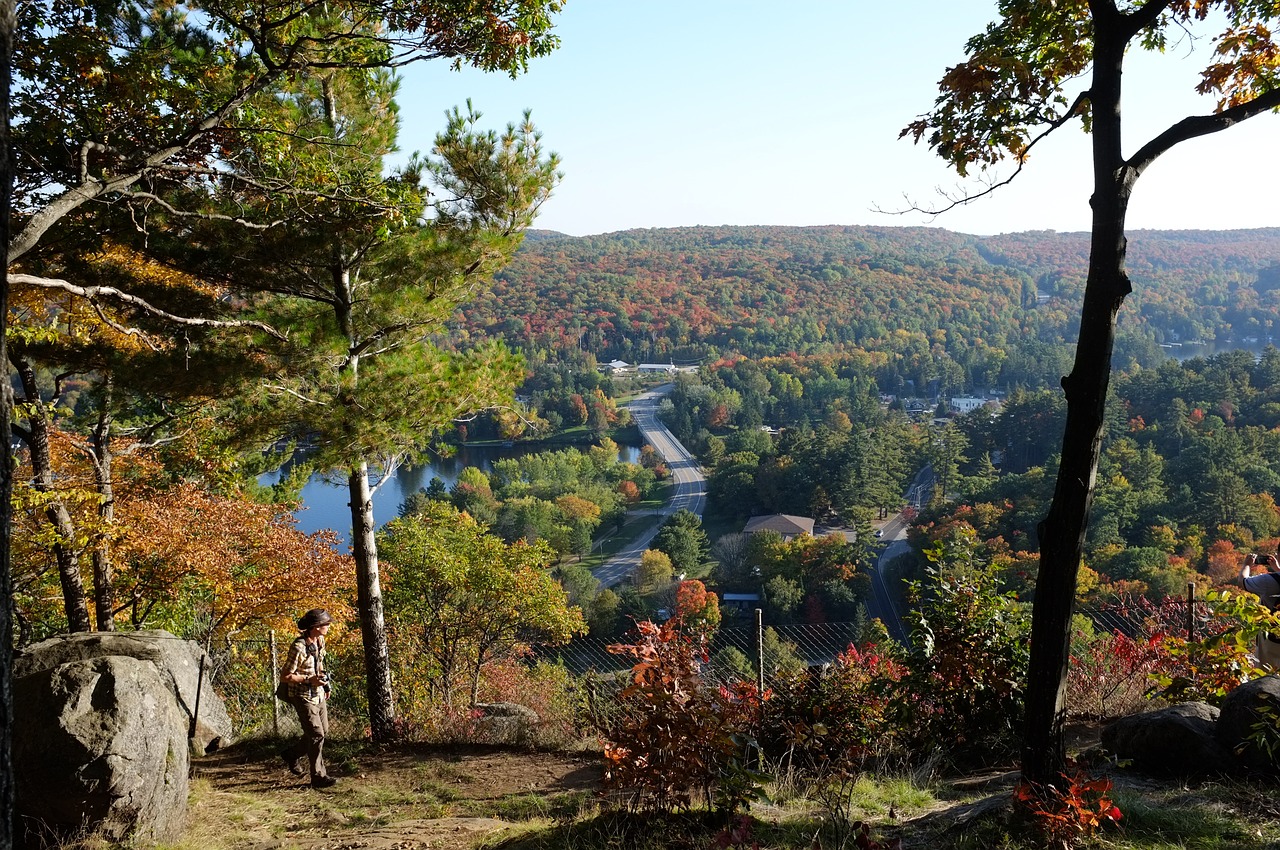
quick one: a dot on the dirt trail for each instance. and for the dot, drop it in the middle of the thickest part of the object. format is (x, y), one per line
(407, 798)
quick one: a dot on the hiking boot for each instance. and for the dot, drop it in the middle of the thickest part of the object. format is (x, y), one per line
(323, 782)
(294, 763)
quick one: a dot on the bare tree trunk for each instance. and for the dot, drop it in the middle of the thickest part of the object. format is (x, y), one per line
(66, 555)
(373, 628)
(104, 598)
(1063, 530)
(8, 24)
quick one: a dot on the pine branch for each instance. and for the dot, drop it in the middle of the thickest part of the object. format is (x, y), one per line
(92, 293)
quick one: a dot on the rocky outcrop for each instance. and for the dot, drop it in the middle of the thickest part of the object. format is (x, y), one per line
(177, 660)
(103, 734)
(100, 748)
(1195, 740)
(505, 723)
(1175, 741)
(1250, 721)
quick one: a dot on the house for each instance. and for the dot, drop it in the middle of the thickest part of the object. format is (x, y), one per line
(966, 404)
(616, 367)
(652, 368)
(785, 524)
(739, 602)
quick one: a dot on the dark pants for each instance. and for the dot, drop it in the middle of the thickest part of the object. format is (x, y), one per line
(314, 719)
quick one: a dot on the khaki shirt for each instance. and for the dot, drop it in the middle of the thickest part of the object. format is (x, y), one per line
(307, 660)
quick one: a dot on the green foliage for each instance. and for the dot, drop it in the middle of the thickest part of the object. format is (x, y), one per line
(459, 598)
(1176, 482)
(681, 537)
(781, 657)
(968, 660)
(1219, 659)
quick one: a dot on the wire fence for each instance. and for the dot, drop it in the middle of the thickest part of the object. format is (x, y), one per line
(243, 670)
(766, 651)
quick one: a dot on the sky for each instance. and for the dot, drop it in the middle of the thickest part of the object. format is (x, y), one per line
(738, 112)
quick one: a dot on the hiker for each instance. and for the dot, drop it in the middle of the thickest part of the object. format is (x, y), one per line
(304, 684)
(1260, 574)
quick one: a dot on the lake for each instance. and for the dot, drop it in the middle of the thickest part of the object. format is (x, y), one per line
(324, 502)
(1187, 350)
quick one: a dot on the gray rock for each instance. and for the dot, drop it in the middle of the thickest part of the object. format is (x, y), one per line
(1175, 741)
(505, 722)
(1250, 716)
(100, 749)
(177, 660)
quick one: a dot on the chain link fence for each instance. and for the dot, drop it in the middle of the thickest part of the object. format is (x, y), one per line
(243, 669)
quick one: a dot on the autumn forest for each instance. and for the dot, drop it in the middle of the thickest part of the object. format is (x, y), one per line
(225, 282)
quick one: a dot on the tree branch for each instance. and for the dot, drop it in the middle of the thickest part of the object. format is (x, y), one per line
(92, 293)
(1022, 161)
(116, 326)
(174, 211)
(1201, 125)
(290, 391)
(1143, 16)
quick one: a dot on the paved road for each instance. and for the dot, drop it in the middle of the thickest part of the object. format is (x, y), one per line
(881, 606)
(894, 537)
(690, 485)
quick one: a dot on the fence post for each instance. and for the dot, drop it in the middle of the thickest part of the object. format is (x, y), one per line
(271, 683)
(760, 650)
(1191, 610)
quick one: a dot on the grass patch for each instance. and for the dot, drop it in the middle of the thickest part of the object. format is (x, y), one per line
(527, 807)
(1215, 817)
(874, 799)
(552, 802)
(611, 546)
(617, 831)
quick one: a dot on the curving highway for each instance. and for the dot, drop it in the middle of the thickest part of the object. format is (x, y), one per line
(894, 537)
(690, 484)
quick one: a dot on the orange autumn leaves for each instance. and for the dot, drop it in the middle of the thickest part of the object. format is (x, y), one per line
(181, 551)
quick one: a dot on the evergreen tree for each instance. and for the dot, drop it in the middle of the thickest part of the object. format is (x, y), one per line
(364, 273)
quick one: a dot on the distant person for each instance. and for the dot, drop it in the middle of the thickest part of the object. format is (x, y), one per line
(1260, 574)
(306, 686)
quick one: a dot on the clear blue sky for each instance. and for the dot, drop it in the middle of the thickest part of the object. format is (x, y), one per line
(709, 112)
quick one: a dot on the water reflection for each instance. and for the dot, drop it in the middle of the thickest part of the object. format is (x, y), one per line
(325, 502)
(1200, 348)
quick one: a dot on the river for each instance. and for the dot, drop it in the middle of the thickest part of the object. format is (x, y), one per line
(324, 503)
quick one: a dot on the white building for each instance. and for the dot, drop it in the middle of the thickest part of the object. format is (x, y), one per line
(966, 404)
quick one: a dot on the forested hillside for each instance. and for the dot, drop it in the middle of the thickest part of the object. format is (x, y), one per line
(973, 310)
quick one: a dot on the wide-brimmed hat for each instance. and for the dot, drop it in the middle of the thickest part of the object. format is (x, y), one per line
(314, 617)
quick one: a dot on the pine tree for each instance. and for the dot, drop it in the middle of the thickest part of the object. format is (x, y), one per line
(363, 274)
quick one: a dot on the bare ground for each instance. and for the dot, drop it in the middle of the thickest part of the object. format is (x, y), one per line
(403, 798)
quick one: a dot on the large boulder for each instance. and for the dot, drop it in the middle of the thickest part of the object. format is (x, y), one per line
(1251, 716)
(100, 749)
(177, 660)
(505, 723)
(1175, 741)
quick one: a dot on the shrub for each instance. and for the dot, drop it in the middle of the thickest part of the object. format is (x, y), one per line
(822, 723)
(1110, 674)
(1076, 807)
(968, 659)
(673, 734)
(1219, 660)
